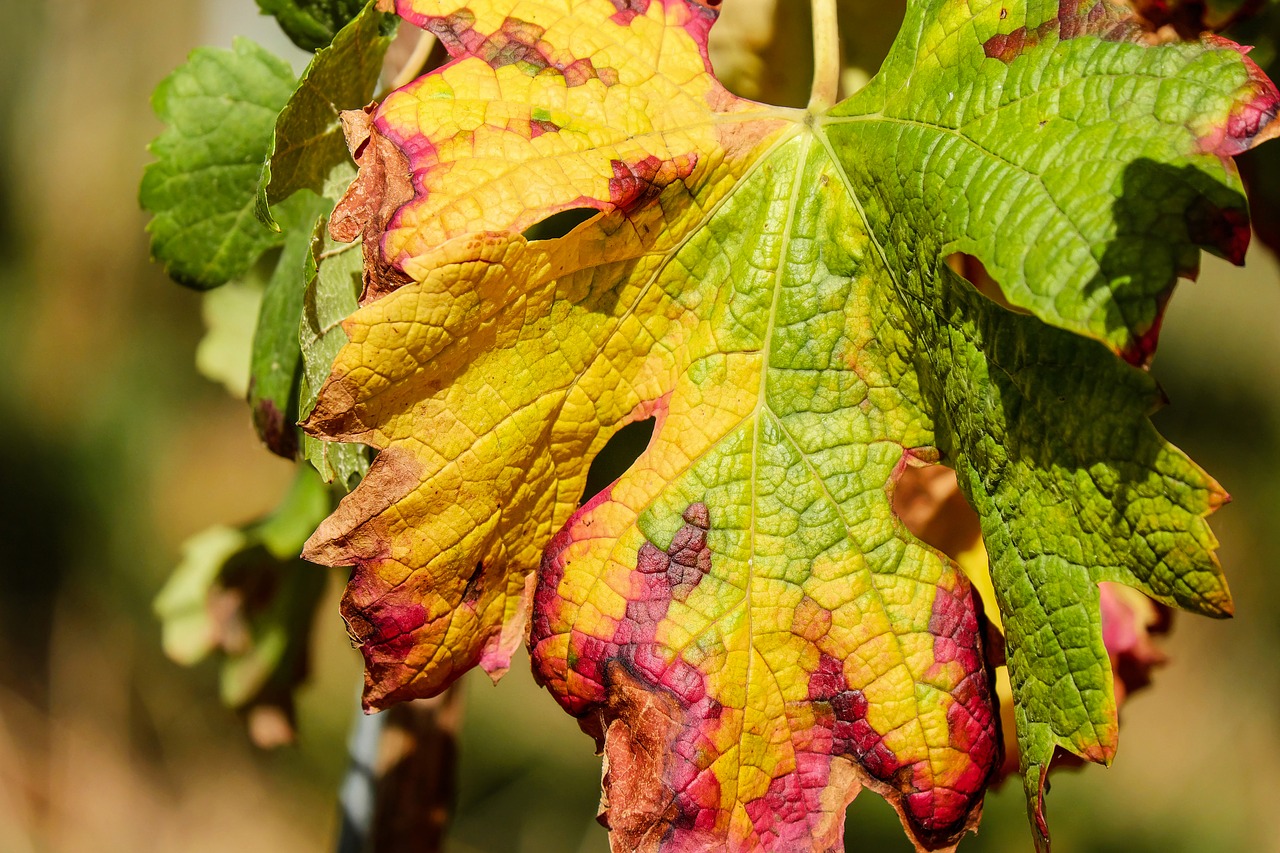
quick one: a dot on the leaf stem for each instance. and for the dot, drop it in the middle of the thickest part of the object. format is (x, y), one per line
(826, 56)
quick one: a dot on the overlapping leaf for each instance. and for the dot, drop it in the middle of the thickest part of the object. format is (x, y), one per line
(741, 618)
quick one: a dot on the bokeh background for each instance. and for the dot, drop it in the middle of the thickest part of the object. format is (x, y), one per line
(113, 450)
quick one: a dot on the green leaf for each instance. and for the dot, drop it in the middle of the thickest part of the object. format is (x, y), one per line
(1049, 436)
(244, 594)
(311, 24)
(308, 140)
(219, 110)
(1091, 242)
(277, 359)
(334, 281)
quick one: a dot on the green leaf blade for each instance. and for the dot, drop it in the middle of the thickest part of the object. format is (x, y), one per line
(334, 281)
(1037, 144)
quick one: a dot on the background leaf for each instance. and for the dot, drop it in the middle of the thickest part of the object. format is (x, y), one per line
(311, 24)
(220, 108)
(244, 594)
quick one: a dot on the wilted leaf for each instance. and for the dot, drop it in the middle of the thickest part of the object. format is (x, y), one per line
(741, 618)
(311, 24)
(245, 594)
(219, 108)
(308, 140)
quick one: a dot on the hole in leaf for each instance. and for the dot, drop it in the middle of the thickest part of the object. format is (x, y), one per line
(559, 224)
(471, 591)
(619, 454)
(972, 270)
(930, 504)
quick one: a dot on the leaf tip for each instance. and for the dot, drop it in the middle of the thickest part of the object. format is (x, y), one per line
(1251, 118)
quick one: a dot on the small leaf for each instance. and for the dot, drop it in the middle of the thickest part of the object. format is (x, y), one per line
(311, 24)
(308, 140)
(277, 358)
(244, 594)
(219, 109)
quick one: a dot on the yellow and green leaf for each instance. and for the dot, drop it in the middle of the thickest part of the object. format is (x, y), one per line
(741, 618)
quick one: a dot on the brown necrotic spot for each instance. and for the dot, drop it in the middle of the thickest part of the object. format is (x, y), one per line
(473, 587)
(538, 126)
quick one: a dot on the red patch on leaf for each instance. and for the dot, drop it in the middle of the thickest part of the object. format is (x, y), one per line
(1075, 18)
(1250, 119)
(845, 717)
(628, 11)
(780, 816)
(1006, 46)
(516, 42)
(635, 185)
(383, 628)
(1143, 346)
(537, 127)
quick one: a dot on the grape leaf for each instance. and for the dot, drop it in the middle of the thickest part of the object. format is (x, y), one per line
(311, 24)
(219, 109)
(244, 593)
(741, 618)
(308, 140)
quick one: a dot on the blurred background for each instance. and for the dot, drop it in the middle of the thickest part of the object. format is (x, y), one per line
(113, 450)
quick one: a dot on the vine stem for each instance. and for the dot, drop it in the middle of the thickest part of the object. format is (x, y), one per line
(826, 56)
